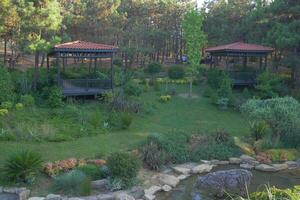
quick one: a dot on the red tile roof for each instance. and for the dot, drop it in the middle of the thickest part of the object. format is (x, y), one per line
(240, 47)
(83, 45)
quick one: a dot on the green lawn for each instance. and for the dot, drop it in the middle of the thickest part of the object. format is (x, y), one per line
(180, 113)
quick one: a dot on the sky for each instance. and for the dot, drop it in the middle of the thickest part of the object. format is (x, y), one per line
(200, 2)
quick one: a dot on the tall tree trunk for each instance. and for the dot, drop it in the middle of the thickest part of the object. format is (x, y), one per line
(36, 70)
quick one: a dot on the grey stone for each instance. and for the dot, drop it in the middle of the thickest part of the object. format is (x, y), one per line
(265, 168)
(235, 180)
(1, 189)
(183, 176)
(23, 194)
(221, 162)
(152, 190)
(280, 167)
(181, 170)
(11, 190)
(235, 160)
(75, 198)
(203, 168)
(292, 164)
(53, 197)
(189, 165)
(108, 196)
(36, 198)
(246, 166)
(166, 188)
(136, 192)
(90, 198)
(123, 196)
(168, 180)
(246, 158)
(99, 184)
(149, 197)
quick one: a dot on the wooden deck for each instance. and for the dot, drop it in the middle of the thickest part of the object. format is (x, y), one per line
(84, 87)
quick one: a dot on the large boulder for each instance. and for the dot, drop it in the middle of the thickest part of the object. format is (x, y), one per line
(235, 180)
(136, 192)
(99, 184)
(246, 166)
(203, 168)
(181, 170)
(107, 196)
(280, 167)
(234, 160)
(152, 190)
(53, 197)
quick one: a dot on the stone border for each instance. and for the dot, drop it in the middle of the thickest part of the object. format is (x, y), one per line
(166, 180)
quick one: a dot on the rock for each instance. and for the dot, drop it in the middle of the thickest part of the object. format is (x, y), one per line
(246, 158)
(265, 168)
(149, 197)
(203, 168)
(90, 198)
(152, 190)
(53, 197)
(1, 189)
(292, 164)
(280, 167)
(75, 198)
(246, 166)
(137, 192)
(123, 196)
(234, 180)
(36, 198)
(108, 196)
(183, 176)
(169, 180)
(235, 160)
(99, 184)
(181, 170)
(166, 188)
(222, 162)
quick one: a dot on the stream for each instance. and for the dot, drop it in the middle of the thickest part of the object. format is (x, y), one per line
(282, 179)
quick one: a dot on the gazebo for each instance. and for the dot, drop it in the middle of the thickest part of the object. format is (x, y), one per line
(82, 50)
(241, 50)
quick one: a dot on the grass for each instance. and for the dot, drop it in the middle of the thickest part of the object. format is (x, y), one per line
(180, 113)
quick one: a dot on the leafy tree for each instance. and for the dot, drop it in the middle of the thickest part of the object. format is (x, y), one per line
(195, 40)
(6, 86)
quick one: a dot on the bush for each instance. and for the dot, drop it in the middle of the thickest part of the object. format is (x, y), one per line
(268, 85)
(72, 183)
(91, 171)
(281, 155)
(176, 72)
(6, 105)
(6, 86)
(22, 166)
(223, 103)
(208, 91)
(120, 120)
(214, 78)
(27, 100)
(19, 106)
(123, 166)
(164, 98)
(154, 68)
(3, 112)
(133, 89)
(282, 116)
(276, 194)
(55, 97)
(258, 130)
(152, 153)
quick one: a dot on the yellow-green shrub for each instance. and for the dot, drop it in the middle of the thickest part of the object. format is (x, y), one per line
(283, 154)
(19, 106)
(165, 98)
(3, 112)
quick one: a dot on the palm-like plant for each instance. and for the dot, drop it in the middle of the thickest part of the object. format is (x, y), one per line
(22, 165)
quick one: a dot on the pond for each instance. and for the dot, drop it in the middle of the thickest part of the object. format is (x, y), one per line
(282, 179)
(6, 196)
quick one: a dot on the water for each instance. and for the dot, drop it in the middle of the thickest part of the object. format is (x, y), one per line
(6, 196)
(185, 190)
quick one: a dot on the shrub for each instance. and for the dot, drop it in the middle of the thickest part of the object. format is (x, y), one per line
(72, 183)
(6, 105)
(258, 130)
(280, 155)
(154, 68)
(133, 89)
(55, 97)
(156, 86)
(222, 103)
(123, 166)
(282, 116)
(214, 78)
(92, 171)
(120, 120)
(104, 171)
(6, 86)
(115, 184)
(27, 100)
(152, 153)
(19, 106)
(118, 62)
(276, 194)
(208, 91)
(268, 85)
(176, 72)
(3, 112)
(22, 166)
(164, 98)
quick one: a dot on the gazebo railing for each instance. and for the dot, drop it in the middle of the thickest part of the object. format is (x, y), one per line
(85, 84)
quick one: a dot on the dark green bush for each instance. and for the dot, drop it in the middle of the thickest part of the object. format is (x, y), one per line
(55, 97)
(176, 72)
(123, 166)
(152, 152)
(22, 166)
(72, 183)
(208, 91)
(214, 78)
(154, 68)
(91, 171)
(133, 89)
(120, 120)
(6, 86)
(269, 85)
(118, 62)
(27, 100)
